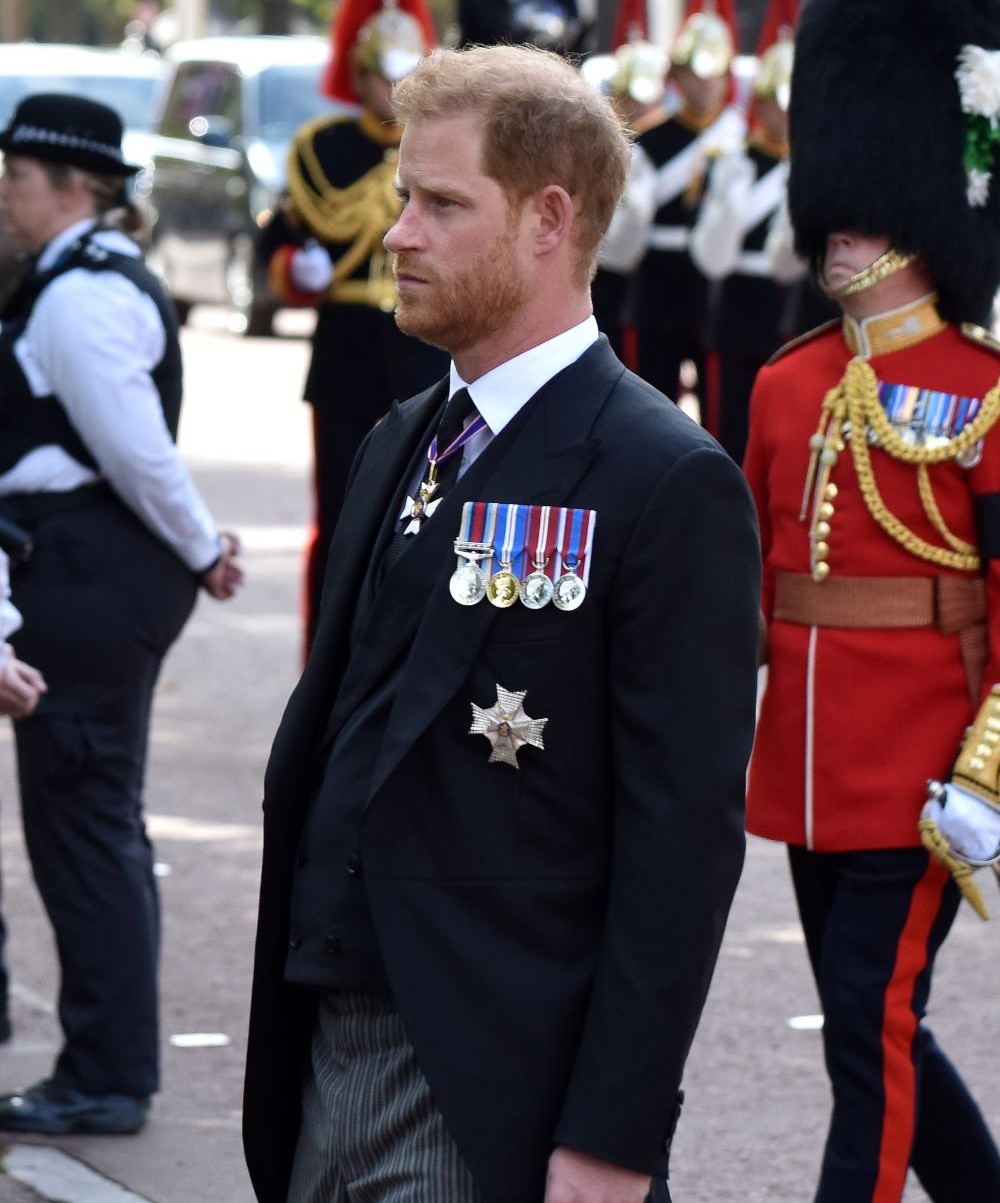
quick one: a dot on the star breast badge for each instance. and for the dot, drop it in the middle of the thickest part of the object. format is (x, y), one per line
(507, 727)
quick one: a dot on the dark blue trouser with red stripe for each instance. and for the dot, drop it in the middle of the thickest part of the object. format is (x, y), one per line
(873, 924)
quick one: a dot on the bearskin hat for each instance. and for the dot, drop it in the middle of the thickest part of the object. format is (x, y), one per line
(881, 144)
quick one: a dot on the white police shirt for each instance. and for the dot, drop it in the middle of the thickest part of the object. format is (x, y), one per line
(92, 340)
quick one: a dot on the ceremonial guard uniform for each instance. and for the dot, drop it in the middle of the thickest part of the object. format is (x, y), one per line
(632, 79)
(874, 459)
(672, 295)
(755, 309)
(340, 202)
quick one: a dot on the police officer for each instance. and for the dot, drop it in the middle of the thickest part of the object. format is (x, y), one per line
(90, 375)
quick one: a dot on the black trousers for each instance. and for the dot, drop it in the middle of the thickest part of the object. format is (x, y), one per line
(660, 356)
(102, 601)
(873, 924)
(737, 374)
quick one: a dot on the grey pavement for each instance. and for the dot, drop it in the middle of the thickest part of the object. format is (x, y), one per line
(752, 1127)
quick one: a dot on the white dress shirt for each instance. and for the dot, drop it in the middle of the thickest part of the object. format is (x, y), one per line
(500, 394)
(92, 340)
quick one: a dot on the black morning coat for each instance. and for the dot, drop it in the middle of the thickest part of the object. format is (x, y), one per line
(549, 931)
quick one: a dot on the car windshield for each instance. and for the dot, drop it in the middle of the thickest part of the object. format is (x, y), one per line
(289, 96)
(131, 96)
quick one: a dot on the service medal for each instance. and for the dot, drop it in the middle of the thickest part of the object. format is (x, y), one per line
(971, 456)
(569, 591)
(503, 587)
(468, 582)
(536, 590)
(574, 544)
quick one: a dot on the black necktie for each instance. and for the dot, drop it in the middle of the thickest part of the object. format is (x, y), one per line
(455, 417)
(457, 413)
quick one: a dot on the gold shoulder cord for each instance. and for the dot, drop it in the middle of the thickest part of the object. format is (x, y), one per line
(855, 404)
(359, 214)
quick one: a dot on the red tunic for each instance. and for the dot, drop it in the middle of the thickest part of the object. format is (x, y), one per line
(854, 722)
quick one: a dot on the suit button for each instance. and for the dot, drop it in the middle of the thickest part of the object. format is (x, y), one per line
(332, 945)
(354, 865)
(294, 940)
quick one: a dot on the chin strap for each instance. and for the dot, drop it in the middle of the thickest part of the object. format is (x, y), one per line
(885, 265)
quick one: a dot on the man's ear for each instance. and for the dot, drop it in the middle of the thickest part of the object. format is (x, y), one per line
(554, 216)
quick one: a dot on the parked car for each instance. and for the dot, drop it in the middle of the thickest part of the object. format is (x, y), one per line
(130, 83)
(232, 106)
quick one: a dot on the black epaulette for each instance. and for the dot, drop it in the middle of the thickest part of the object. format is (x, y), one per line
(980, 336)
(802, 339)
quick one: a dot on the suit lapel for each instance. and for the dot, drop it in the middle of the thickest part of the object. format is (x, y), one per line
(538, 459)
(365, 518)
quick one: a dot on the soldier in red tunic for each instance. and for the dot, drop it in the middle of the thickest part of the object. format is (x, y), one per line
(874, 458)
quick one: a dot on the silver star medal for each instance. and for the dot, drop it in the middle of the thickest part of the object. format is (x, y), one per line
(507, 727)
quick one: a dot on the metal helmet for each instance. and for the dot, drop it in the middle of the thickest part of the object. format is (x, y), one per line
(386, 36)
(635, 70)
(704, 45)
(391, 43)
(773, 77)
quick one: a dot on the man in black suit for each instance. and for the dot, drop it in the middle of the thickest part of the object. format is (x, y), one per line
(503, 822)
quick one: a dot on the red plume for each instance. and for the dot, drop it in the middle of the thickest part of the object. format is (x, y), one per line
(780, 21)
(631, 21)
(344, 30)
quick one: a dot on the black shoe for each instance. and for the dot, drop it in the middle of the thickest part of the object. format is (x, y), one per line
(54, 1109)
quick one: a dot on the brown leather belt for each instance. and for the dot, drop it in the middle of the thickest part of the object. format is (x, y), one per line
(956, 605)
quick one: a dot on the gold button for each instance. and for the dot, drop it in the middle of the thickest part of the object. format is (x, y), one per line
(976, 763)
(821, 572)
(830, 491)
(823, 530)
(822, 551)
(826, 510)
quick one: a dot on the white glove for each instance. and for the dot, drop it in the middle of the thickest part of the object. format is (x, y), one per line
(311, 268)
(970, 825)
(733, 176)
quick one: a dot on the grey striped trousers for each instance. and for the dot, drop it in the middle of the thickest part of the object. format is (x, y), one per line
(370, 1131)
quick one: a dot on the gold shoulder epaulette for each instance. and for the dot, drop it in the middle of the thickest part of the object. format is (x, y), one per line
(981, 336)
(795, 343)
